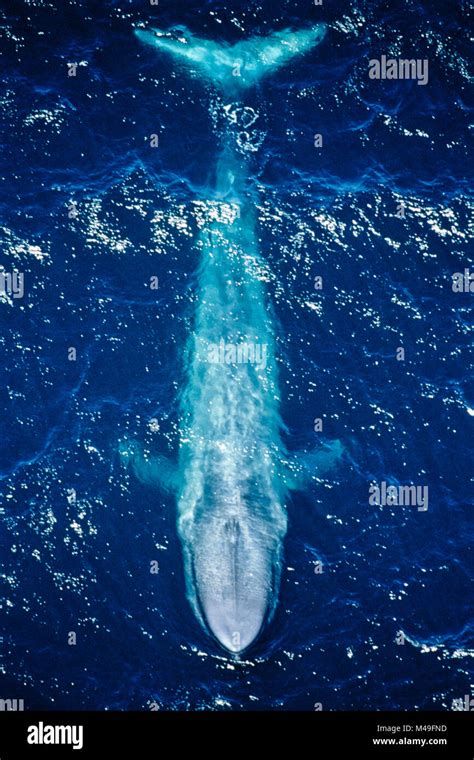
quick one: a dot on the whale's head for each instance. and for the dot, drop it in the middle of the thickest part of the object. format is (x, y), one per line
(234, 576)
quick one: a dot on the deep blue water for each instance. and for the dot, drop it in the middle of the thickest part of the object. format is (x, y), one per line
(83, 565)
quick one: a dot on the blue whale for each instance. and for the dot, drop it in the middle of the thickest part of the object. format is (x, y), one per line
(234, 474)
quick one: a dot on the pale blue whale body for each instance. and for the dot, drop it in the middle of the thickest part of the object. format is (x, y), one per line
(231, 483)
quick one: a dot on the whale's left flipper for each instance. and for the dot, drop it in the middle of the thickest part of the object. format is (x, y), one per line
(237, 66)
(300, 469)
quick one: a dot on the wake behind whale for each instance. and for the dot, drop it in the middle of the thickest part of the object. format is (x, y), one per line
(231, 483)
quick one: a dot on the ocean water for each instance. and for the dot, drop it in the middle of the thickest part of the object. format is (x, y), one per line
(90, 212)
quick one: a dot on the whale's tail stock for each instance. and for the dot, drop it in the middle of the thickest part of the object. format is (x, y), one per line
(234, 66)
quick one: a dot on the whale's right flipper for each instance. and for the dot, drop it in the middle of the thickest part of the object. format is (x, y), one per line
(236, 66)
(155, 471)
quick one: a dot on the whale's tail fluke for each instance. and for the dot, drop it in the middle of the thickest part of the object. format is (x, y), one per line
(234, 66)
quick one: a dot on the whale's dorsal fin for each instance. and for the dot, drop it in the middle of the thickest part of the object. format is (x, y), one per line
(235, 66)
